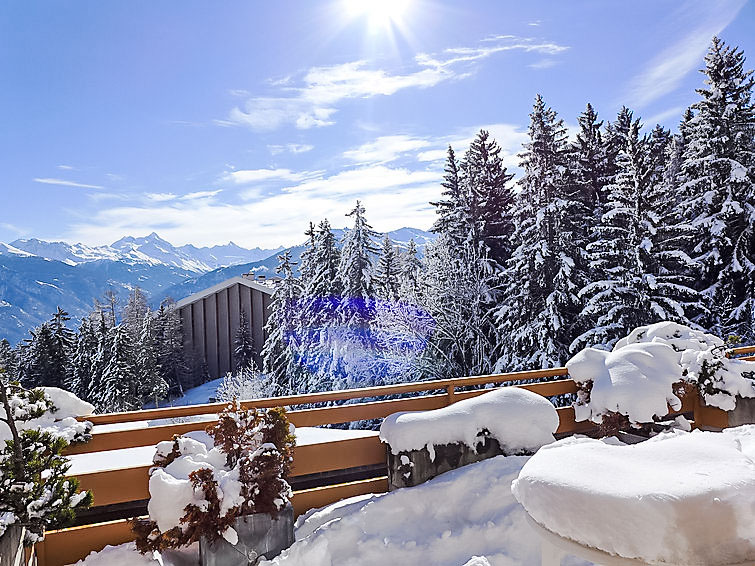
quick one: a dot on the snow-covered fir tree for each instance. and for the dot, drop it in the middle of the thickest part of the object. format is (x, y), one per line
(387, 272)
(151, 386)
(639, 278)
(280, 353)
(119, 379)
(541, 282)
(718, 183)
(171, 355)
(243, 343)
(45, 356)
(355, 270)
(410, 287)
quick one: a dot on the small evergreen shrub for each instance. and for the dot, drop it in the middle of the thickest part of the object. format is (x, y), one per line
(245, 473)
(34, 490)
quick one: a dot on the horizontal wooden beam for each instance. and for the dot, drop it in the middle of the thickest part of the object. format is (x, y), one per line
(325, 396)
(316, 497)
(132, 484)
(149, 436)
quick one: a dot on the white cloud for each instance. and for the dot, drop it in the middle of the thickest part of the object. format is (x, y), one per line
(200, 195)
(394, 197)
(385, 149)
(660, 118)
(294, 148)
(666, 71)
(49, 181)
(315, 101)
(247, 176)
(66, 167)
(543, 64)
(160, 197)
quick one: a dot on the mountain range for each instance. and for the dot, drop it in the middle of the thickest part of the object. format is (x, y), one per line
(37, 276)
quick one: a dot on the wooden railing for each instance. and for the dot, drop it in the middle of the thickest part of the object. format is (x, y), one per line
(130, 484)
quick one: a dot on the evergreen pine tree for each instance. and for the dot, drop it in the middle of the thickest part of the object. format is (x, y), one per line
(636, 258)
(718, 174)
(171, 355)
(411, 266)
(281, 347)
(540, 307)
(243, 344)
(387, 272)
(151, 385)
(119, 379)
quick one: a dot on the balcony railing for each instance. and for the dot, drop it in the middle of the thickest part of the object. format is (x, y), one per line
(364, 457)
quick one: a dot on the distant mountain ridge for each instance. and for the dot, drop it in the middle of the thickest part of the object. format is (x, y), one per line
(150, 249)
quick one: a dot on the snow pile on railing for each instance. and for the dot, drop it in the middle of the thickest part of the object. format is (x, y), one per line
(678, 498)
(60, 422)
(521, 421)
(642, 373)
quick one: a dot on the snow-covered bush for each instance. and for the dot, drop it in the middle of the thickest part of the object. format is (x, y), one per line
(245, 383)
(646, 372)
(35, 427)
(204, 481)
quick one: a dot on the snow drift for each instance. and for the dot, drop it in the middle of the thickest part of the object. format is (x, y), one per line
(681, 498)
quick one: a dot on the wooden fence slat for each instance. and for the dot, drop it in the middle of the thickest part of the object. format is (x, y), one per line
(114, 440)
(316, 497)
(312, 398)
(122, 485)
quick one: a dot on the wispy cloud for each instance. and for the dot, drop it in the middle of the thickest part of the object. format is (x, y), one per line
(160, 197)
(200, 195)
(316, 99)
(281, 217)
(294, 148)
(247, 176)
(660, 118)
(385, 149)
(665, 72)
(63, 182)
(66, 167)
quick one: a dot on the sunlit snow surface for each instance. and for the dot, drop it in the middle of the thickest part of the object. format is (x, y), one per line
(678, 498)
(464, 517)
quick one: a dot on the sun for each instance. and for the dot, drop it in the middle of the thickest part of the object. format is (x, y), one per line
(379, 13)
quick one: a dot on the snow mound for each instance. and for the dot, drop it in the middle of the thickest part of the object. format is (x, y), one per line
(681, 498)
(518, 419)
(636, 378)
(61, 422)
(466, 516)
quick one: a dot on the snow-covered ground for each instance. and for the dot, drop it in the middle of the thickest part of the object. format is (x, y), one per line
(678, 498)
(447, 521)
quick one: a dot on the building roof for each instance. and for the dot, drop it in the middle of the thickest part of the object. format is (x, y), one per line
(223, 285)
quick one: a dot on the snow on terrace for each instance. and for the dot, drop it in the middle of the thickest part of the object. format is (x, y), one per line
(464, 517)
(142, 455)
(637, 377)
(678, 498)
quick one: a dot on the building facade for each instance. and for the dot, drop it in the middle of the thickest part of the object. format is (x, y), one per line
(210, 320)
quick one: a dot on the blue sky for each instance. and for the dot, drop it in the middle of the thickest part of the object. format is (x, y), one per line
(209, 121)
